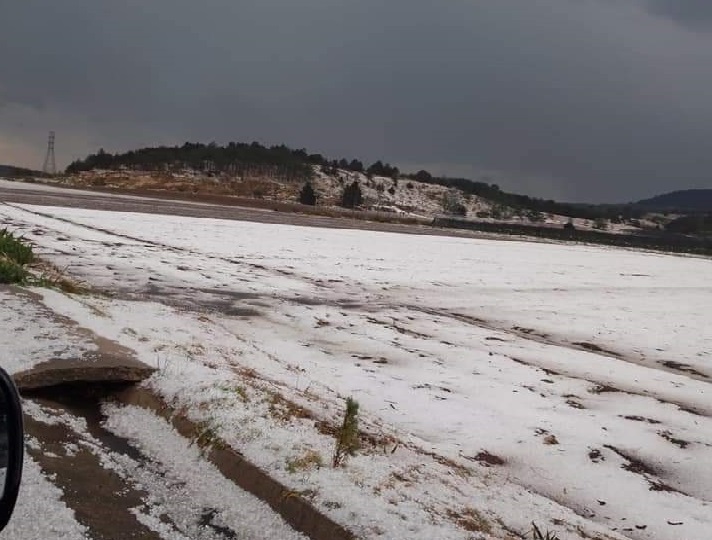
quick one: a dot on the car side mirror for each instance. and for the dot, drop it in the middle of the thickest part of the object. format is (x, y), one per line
(12, 446)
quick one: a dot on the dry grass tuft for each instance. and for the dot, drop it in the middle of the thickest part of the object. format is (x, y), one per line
(311, 459)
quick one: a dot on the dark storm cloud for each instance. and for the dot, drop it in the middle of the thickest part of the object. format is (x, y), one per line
(695, 13)
(586, 100)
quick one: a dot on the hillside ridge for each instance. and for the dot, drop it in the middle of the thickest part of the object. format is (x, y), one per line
(690, 200)
(249, 161)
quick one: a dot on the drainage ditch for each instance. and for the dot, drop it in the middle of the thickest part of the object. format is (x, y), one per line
(105, 503)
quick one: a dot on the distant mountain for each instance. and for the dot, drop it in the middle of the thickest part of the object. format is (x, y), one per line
(10, 171)
(688, 200)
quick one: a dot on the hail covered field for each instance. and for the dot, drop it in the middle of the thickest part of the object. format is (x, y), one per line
(500, 382)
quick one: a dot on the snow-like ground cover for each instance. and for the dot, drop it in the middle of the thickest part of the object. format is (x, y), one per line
(422, 199)
(179, 484)
(30, 333)
(189, 480)
(487, 401)
(40, 512)
(646, 306)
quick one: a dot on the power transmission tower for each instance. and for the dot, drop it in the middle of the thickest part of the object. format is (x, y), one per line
(50, 167)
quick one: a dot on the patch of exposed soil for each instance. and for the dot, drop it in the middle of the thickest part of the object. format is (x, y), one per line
(659, 485)
(668, 436)
(685, 368)
(689, 410)
(636, 418)
(100, 499)
(634, 464)
(603, 388)
(486, 459)
(592, 347)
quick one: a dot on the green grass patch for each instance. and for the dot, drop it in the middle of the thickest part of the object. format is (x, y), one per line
(15, 249)
(11, 272)
(15, 254)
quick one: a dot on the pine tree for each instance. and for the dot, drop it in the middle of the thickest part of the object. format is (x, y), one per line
(307, 195)
(352, 196)
(347, 441)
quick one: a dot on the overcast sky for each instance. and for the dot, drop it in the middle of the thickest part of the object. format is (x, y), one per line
(582, 100)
